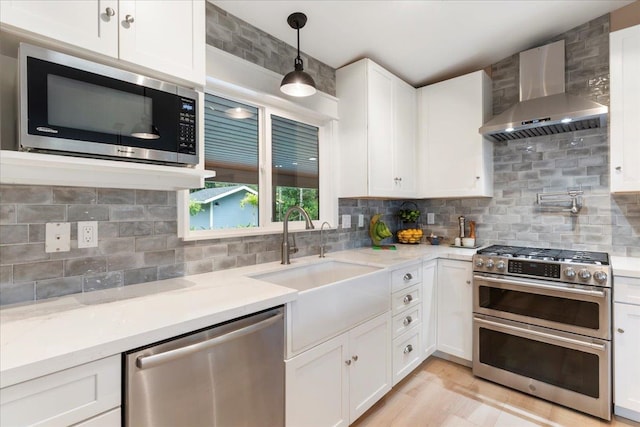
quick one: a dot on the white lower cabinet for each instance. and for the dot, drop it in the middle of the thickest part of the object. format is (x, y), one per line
(626, 347)
(111, 418)
(455, 319)
(429, 307)
(66, 397)
(335, 382)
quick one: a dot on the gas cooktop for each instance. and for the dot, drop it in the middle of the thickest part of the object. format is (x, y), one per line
(545, 254)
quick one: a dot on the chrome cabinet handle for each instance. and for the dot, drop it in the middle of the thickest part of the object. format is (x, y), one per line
(109, 11)
(408, 349)
(407, 321)
(347, 362)
(355, 358)
(407, 299)
(407, 277)
(620, 330)
(129, 19)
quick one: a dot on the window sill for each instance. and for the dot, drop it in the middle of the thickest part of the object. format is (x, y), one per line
(18, 167)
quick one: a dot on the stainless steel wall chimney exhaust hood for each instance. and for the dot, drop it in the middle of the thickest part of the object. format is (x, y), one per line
(544, 107)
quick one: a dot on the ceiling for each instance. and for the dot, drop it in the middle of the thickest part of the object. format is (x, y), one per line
(420, 41)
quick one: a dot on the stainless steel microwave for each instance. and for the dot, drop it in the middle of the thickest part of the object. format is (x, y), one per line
(73, 106)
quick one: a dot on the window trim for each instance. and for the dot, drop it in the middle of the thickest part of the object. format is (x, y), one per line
(327, 137)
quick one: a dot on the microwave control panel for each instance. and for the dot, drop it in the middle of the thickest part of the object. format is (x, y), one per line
(187, 131)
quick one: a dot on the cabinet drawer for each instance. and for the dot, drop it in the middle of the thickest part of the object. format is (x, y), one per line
(113, 418)
(64, 397)
(404, 277)
(406, 354)
(405, 299)
(406, 320)
(626, 289)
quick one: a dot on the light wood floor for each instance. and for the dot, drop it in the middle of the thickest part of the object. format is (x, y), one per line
(442, 393)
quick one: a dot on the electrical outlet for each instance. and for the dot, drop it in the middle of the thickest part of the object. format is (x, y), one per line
(87, 234)
(360, 220)
(57, 237)
(346, 221)
(431, 218)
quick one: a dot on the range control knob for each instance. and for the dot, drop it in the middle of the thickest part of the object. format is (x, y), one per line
(600, 276)
(479, 262)
(501, 265)
(489, 263)
(584, 274)
(570, 273)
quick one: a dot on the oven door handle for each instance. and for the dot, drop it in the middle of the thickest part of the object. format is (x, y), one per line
(551, 337)
(510, 281)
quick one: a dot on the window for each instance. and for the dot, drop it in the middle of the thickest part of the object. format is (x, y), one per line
(266, 161)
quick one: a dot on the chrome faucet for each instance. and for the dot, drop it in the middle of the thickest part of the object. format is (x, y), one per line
(322, 248)
(286, 251)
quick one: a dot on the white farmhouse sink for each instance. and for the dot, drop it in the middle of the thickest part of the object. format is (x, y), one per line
(311, 276)
(333, 297)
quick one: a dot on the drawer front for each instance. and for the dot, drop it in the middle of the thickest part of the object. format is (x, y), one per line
(113, 418)
(626, 289)
(406, 299)
(404, 277)
(406, 354)
(406, 320)
(64, 397)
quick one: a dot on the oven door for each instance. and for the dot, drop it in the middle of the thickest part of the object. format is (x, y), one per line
(568, 369)
(584, 310)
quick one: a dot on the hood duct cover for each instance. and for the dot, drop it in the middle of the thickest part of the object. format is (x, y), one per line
(544, 107)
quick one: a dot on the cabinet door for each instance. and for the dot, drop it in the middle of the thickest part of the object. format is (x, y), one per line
(625, 109)
(405, 160)
(380, 131)
(429, 321)
(626, 342)
(450, 114)
(317, 386)
(87, 24)
(167, 37)
(370, 369)
(455, 308)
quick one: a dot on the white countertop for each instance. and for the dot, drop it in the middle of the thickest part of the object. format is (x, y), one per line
(47, 336)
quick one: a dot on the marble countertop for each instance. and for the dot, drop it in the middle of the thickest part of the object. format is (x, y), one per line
(47, 336)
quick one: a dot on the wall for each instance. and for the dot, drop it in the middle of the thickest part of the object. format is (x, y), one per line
(525, 167)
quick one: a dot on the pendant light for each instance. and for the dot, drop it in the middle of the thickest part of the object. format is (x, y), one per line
(297, 82)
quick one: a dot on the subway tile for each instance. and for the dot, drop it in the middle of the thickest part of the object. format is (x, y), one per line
(84, 266)
(151, 197)
(171, 271)
(160, 257)
(96, 282)
(215, 251)
(125, 261)
(25, 194)
(224, 262)
(74, 195)
(37, 233)
(136, 228)
(111, 196)
(150, 243)
(165, 227)
(162, 213)
(41, 213)
(8, 214)
(140, 275)
(33, 271)
(11, 254)
(189, 253)
(108, 229)
(58, 287)
(88, 213)
(199, 267)
(127, 213)
(11, 234)
(17, 293)
(6, 274)
(116, 246)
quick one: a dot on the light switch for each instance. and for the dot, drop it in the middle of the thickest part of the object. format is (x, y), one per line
(57, 237)
(346, 221)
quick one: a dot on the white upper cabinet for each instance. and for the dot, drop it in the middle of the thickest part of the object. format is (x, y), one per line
(625, 109)
(455, 160)
(377, 132)
(167, 37)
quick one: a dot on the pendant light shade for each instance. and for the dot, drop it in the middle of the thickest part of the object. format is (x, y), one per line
(297, 82)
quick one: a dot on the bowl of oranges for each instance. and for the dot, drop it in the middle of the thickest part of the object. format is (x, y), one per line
(410, 236)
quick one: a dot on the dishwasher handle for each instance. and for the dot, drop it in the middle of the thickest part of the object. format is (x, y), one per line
(144, 362)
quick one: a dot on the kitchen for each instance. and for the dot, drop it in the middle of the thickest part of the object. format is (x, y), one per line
(148, 217)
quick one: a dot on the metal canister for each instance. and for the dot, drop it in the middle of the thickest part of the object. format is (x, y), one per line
(461, 222)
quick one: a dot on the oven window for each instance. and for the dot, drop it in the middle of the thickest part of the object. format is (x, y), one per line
(556, 365)
(556, 309)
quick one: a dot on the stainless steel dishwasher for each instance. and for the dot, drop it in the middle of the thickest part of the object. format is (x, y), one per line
(231, 374)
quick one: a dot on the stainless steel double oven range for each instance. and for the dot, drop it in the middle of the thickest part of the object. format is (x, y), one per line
(542, 324)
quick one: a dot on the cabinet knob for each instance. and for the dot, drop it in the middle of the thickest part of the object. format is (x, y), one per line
(407, 321)
(618, 168)
(129, 19)
(620, 330)
(408, 349)
(347, 362)
(477, 177)
(407, 299)
(109, 11)
(355, 358)
(407, 277)
(468, 282)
